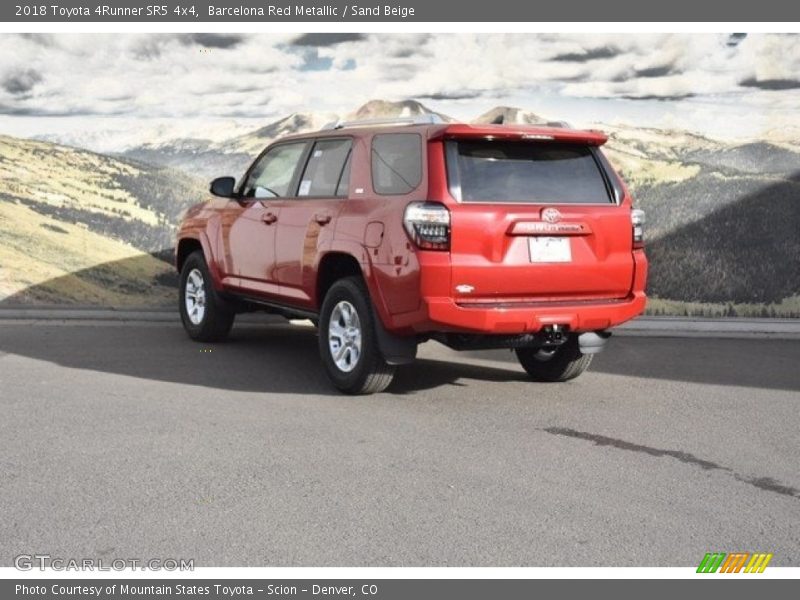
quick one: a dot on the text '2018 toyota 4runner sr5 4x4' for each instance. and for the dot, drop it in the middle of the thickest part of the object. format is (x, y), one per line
(390, 233)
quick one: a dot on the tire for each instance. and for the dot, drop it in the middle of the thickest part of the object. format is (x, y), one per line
(565, 363)
(206, 317)
(348, 344)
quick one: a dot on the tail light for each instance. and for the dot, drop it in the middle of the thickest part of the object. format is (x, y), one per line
(637, 222)
(428, 225)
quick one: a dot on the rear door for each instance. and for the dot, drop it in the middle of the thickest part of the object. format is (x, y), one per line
(308, 217)
(538, 221)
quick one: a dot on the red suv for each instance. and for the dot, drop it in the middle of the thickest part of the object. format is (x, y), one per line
(390, 233)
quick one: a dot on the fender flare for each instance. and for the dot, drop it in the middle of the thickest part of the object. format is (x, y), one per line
(361, 256)
(205, 245)
(396, 350)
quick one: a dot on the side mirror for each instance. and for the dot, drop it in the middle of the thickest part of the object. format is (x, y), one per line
(223, 186)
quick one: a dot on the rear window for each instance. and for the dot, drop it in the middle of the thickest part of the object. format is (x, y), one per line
(396, 163)
(538, 172)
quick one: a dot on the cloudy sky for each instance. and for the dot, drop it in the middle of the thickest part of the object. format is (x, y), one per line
(725, 85)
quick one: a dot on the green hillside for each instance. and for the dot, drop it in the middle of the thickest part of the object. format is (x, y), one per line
(745, 251)
(65, 213)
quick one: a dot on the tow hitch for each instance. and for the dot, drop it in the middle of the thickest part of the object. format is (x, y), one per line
(549, 338)
(554, 335)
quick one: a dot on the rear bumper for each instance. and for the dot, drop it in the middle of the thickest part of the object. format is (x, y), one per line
(446, 314)
(437, 310)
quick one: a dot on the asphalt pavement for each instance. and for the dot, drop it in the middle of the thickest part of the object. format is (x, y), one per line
(127, 440)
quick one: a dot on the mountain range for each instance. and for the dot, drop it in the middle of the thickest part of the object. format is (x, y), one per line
(711, 204)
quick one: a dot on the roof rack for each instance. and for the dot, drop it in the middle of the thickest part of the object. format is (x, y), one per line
(426, 119)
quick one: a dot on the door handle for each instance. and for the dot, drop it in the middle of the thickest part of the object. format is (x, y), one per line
(269, 218)
(322, 218)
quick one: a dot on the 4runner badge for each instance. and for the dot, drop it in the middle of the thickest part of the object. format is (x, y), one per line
(551, 215)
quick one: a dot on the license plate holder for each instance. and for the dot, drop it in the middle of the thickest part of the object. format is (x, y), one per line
(544, 249)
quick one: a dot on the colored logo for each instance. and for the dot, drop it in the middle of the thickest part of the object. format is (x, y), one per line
(551, 215)
(735, 562)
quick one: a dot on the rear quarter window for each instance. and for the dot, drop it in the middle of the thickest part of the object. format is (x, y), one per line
(396, 163)
(533, 172)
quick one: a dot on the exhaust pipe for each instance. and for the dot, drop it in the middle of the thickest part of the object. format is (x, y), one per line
(593, 342)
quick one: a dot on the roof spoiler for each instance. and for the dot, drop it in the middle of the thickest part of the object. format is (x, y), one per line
(520, 132)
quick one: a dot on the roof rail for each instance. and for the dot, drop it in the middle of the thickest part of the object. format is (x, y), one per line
(562, 124)
(425, 119)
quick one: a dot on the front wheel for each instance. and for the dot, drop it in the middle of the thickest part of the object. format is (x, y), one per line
(205, 316)
(348, 343)
(563, 364)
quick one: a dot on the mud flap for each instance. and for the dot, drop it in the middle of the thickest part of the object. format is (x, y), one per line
(396, 350)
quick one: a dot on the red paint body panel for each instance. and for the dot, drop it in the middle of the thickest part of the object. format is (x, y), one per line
(272, 249)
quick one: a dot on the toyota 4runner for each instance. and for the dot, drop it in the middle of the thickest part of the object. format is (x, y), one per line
(390, 233)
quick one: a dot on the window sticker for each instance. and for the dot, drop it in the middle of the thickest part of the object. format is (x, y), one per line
(317, 153)
(305, 187)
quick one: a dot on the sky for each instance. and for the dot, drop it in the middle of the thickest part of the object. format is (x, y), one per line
(118, 89)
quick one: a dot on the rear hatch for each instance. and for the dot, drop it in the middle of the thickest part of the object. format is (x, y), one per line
(537, 220)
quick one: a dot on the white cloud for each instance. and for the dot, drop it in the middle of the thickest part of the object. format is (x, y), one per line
(264, 76)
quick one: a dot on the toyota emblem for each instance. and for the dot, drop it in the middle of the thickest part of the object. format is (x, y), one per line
(551, 215)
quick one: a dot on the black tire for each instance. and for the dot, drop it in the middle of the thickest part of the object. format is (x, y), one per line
(369, 373)
(217, 316)
(565, 363)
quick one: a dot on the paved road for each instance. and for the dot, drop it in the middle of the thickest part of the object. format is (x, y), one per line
(120, 440)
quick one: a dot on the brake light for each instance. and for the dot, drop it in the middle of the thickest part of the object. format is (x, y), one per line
(637, 222)
(428, 225)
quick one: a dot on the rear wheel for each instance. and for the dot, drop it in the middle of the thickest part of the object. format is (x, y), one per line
(206, 317)
(563, 364)
(348, 343)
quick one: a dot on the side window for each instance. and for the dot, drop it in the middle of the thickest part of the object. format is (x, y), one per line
(396, 163)
(326, 169)
(273, 173)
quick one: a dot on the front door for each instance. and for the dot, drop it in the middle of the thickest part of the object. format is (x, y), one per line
(252, 234)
